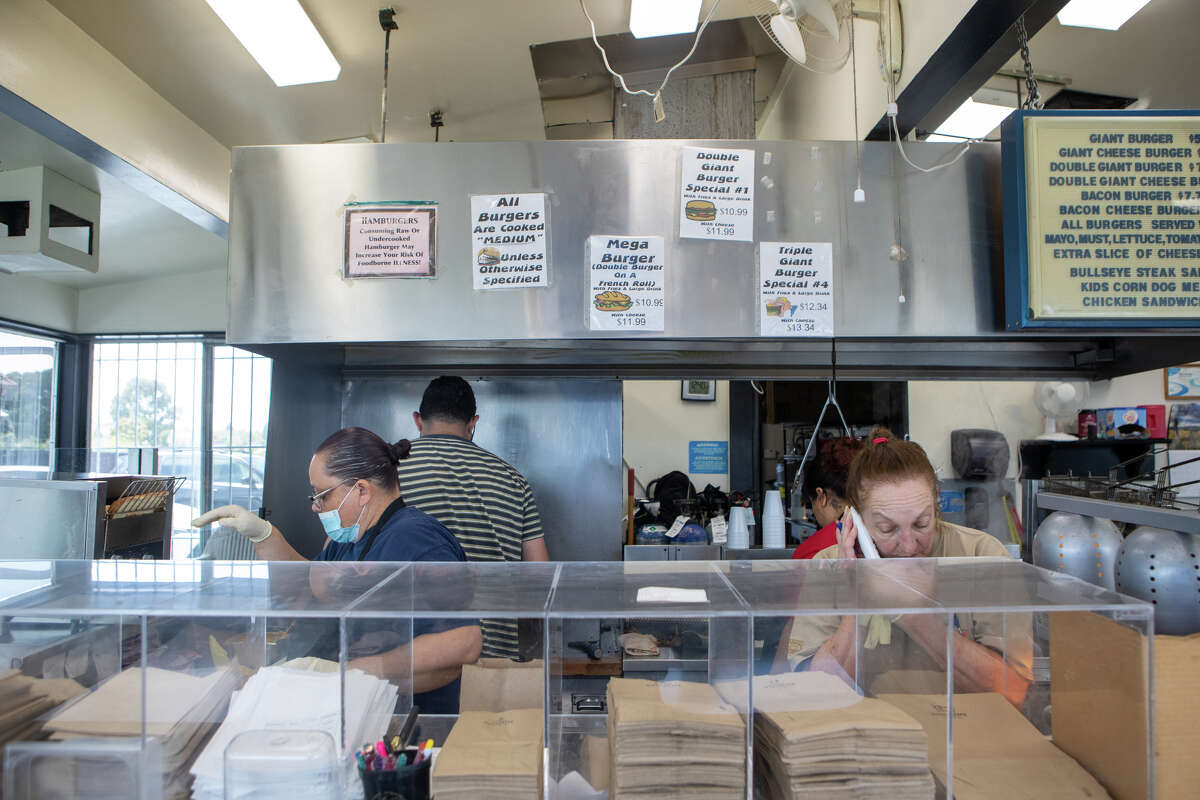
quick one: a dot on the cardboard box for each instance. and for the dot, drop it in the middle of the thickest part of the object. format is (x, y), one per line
(1098, 696)
(998, 754)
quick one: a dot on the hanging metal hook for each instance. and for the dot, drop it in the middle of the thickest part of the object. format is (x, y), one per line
(830, 400)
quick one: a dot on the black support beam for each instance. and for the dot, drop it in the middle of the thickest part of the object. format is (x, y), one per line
(979, 46)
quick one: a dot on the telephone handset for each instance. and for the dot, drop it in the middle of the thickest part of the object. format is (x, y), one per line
(865, 542)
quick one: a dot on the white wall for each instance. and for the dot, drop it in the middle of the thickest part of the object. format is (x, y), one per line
(819, 106)
(38, 302)
(937, 407)
(185, 303)
(47, 60)
(657, 426)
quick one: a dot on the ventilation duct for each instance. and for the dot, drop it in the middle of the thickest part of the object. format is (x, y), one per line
(48, 223)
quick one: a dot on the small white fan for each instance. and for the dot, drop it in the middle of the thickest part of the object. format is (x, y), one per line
(782, 24)
(1059, 400)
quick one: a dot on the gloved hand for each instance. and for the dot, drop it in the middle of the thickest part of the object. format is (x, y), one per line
(247, 523)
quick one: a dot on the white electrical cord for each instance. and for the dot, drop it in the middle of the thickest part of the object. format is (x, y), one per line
(900, 144)
(859, 195)
(621, 79)
(756, 387)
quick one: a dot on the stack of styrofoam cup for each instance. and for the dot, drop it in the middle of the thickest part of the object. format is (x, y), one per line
(739, 532)
(773, 522)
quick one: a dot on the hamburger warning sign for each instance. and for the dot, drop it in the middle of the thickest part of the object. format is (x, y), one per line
(627, 283)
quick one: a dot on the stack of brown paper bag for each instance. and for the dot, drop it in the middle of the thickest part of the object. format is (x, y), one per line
(492, 755)
(23, 699)
(816, 737)
(674, 739)
(182, 711)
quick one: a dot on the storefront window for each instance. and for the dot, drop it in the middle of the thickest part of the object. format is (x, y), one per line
(151, 394)
(28, 366)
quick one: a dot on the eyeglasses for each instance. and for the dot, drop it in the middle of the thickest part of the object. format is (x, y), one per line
(318, 499)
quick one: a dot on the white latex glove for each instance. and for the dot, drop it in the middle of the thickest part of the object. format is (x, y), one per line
(245, 522)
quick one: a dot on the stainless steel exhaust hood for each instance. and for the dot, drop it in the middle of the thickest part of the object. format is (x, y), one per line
(286, 287)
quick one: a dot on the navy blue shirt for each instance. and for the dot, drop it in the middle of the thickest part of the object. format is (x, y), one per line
(404, 533)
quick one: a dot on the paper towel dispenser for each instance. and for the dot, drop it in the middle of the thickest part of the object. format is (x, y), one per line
(979, 454)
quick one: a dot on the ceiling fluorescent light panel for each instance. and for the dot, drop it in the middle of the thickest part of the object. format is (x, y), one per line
(972, 120)
(663, 17)
(281, 38)
(1107, 15)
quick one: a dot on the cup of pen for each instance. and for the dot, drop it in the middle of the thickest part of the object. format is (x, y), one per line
(404, 776)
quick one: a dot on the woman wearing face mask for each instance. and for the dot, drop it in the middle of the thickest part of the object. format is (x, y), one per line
(893, 487)
(356, 495)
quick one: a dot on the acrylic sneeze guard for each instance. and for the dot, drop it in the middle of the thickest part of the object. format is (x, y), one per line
(991, 675)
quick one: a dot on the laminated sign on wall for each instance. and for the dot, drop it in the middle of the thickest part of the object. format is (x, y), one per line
(508, 241)
(716, 194)
(795, 294)
(390, 240)
(628, 287)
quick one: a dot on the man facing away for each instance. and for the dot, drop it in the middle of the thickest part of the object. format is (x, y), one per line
(481, 498)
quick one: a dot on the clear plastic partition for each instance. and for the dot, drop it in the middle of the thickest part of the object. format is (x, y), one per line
(649, 670)
(189, 653)
(474, 640)
(1052, 679)
(945, 673)
(829, 645)
(988, 677)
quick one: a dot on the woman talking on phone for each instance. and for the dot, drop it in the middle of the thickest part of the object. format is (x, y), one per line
(892, 486)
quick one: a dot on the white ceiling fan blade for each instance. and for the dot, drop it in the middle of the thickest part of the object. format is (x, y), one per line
(822, 11)
(787, 33)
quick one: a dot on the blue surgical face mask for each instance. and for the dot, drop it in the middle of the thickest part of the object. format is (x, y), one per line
(332, 521)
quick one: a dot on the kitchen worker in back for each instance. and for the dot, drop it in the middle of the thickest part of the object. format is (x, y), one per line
(357, 498)
(824, 489)
(482, 499)
(893, 486)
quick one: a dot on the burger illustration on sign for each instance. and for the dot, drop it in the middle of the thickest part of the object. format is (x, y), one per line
(613, 301)
(700, 210)
(779, 307)
(487, 257)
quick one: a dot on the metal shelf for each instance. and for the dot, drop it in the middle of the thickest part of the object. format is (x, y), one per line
(1169, 518)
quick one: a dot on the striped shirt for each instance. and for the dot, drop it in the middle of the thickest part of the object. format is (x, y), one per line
(483, 500)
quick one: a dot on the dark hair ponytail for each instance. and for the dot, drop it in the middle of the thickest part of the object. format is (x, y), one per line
(829, 467)
(886, 459)
(358, 454)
